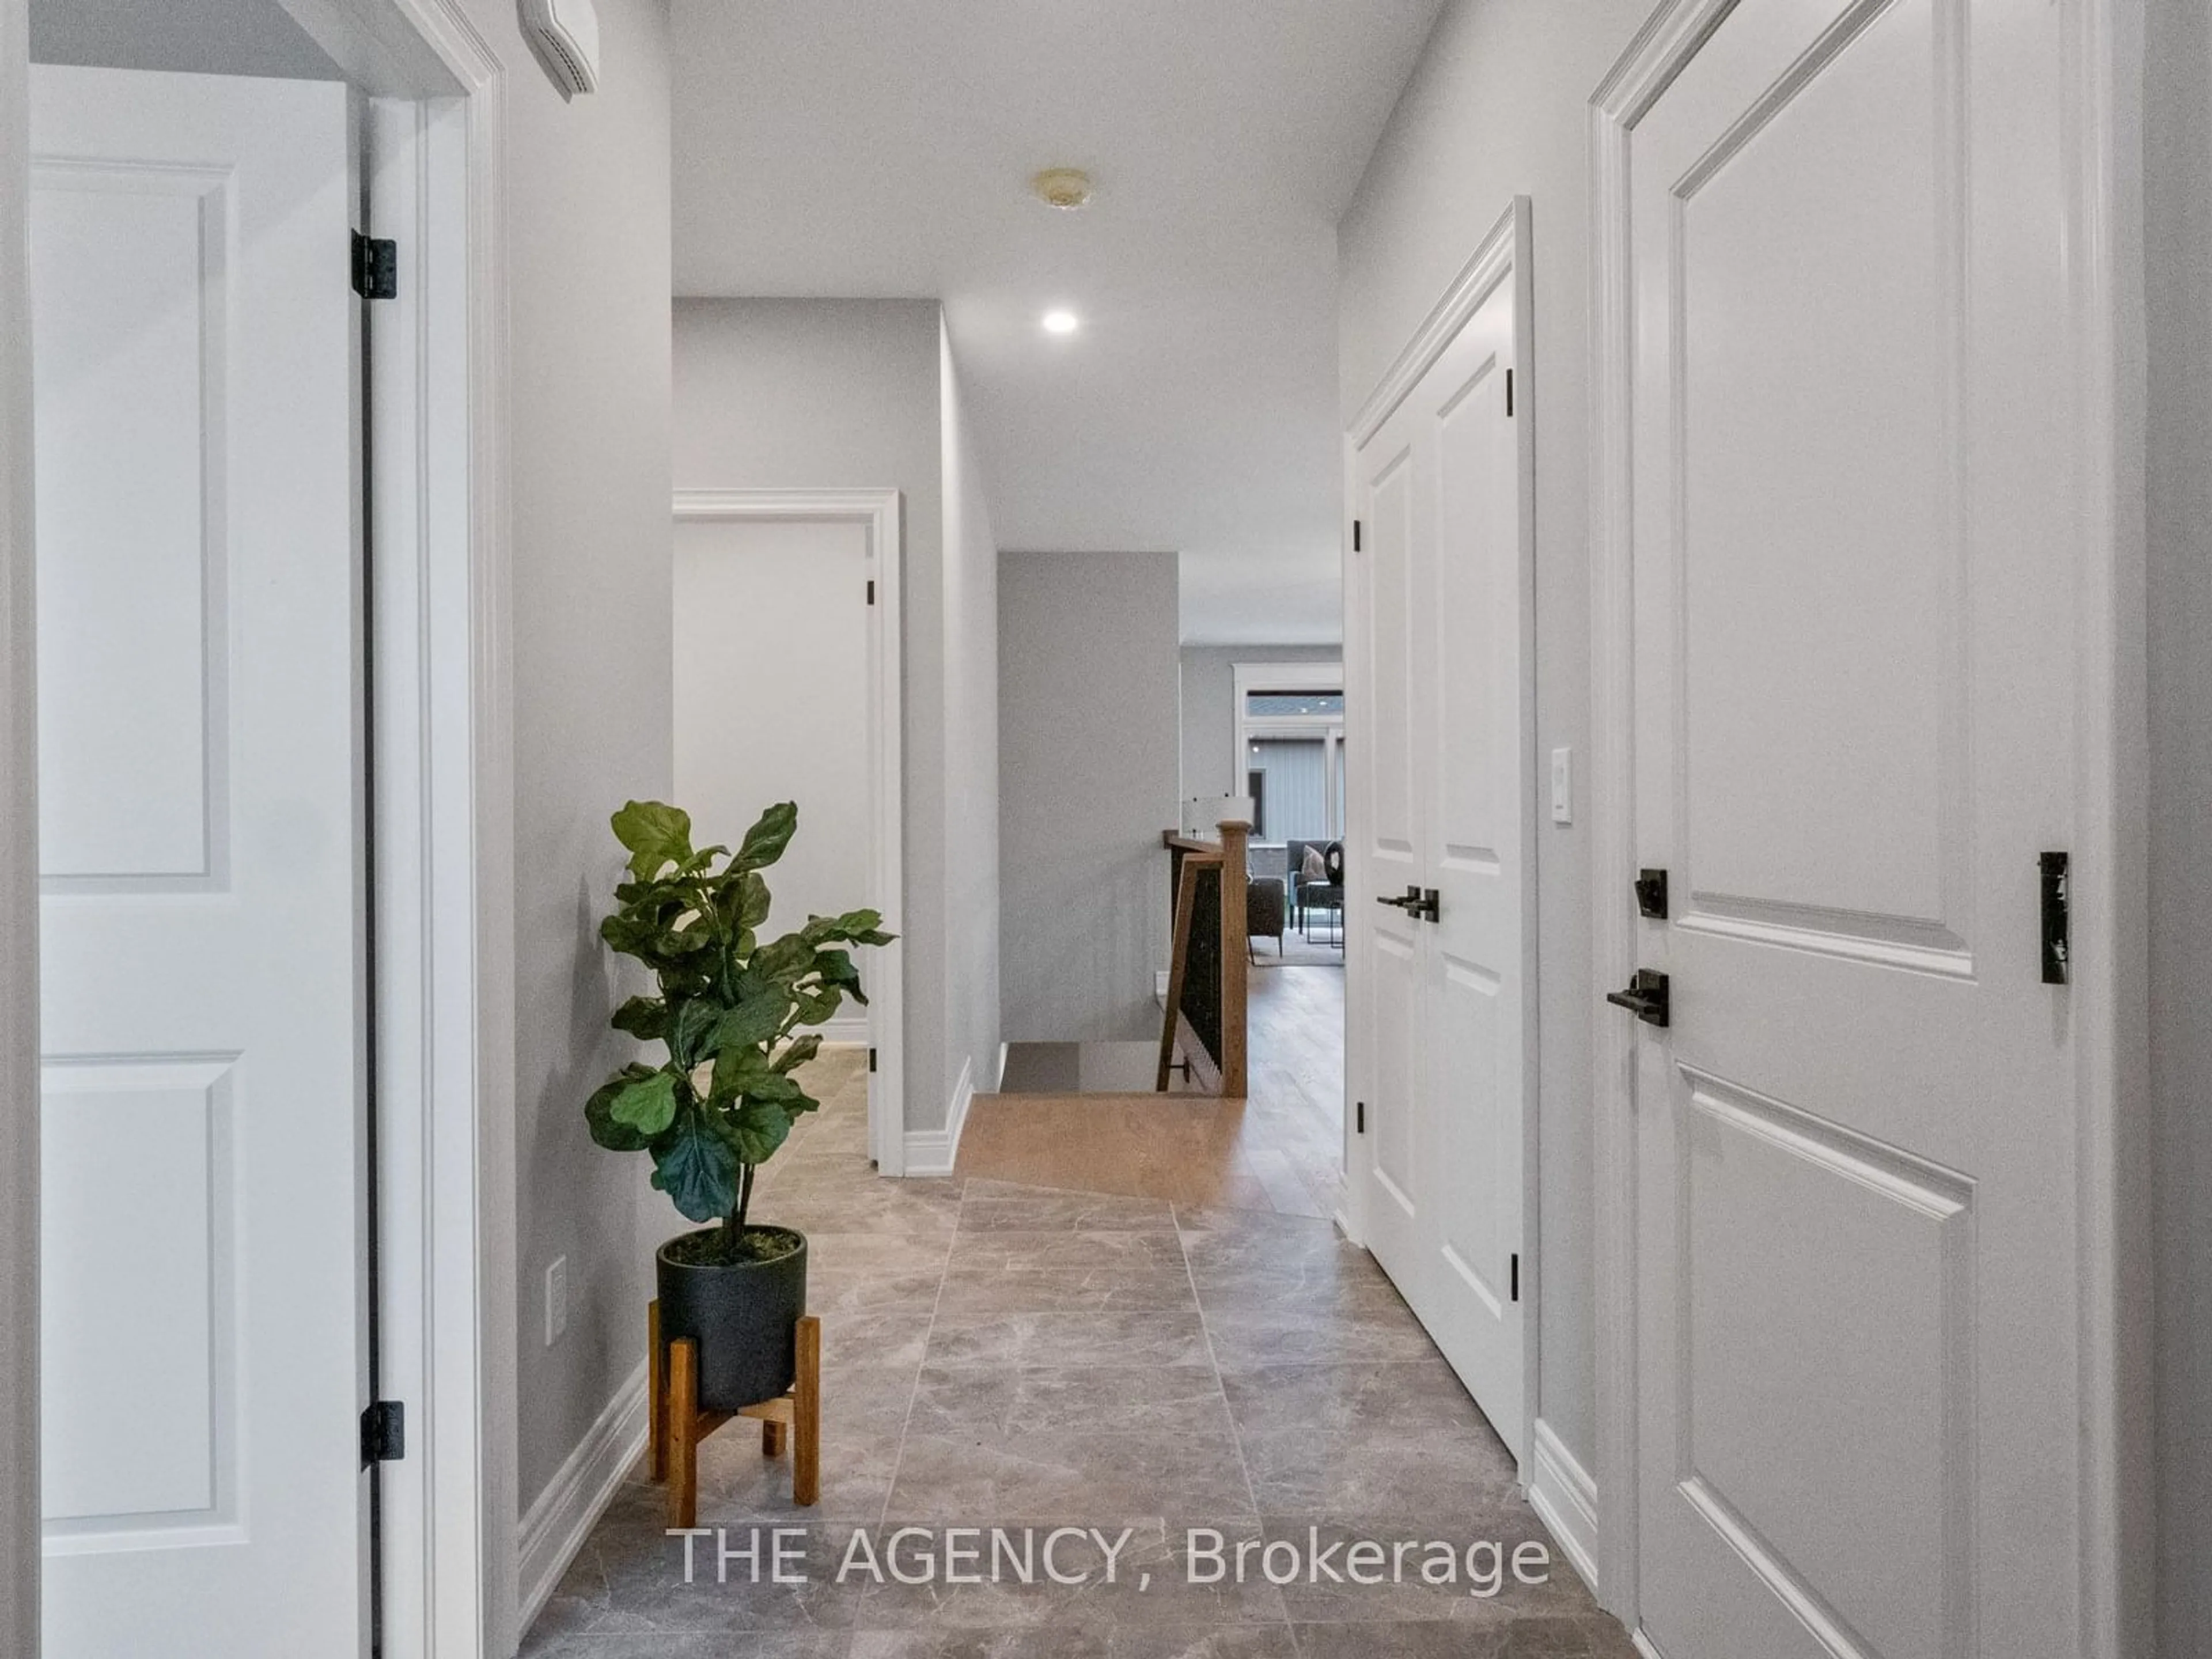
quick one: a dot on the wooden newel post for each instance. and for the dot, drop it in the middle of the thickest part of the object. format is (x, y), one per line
(1234, 955)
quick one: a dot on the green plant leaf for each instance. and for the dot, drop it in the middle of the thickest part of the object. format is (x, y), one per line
(646, 1105)
(705, 856)
(764, 842)
(853, 927)
(838, 969)
(782, 961)
(696, 1167)
(818, 1007)
(656, 835)
(643, 1017)
(753, 901)
(599, 1113)
(691, 1033)
(774, 1087)
(798, 1052)
(755, 1128)
(753, 1021)
(736, 1070)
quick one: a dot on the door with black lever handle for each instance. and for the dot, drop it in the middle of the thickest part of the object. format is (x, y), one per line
(1646, 997)
(1419, 902)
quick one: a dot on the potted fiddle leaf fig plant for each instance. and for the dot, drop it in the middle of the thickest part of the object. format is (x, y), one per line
(728, 1014)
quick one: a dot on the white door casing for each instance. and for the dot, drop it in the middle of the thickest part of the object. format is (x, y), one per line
(1843, 472)
(874, 577)
(1440, 624)
(202, 990)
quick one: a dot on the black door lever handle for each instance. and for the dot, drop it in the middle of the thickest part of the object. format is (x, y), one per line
(1646, 997)
(1418, 903)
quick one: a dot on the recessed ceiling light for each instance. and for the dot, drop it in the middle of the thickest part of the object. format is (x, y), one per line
(1060, 322)
(1067, 188)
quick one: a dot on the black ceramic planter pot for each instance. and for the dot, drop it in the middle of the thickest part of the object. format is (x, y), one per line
(744, 1317)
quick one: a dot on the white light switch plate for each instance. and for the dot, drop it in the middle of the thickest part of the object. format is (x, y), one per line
(557, 1299)
(1563, 785)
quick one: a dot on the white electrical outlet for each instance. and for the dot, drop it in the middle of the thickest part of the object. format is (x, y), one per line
(557, 1299)
(1563, 785)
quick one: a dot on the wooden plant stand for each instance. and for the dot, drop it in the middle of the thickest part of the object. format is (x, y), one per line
(677, 1426)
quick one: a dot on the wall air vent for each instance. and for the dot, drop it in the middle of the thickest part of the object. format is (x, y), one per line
(566, 34)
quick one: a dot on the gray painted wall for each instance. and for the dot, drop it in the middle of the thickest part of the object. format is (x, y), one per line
(971, 753)
(1087, 764)
(1496, 109)
(853, 393)
(2178, 182)
(1209, 709)
(588, 352)
(199, 37)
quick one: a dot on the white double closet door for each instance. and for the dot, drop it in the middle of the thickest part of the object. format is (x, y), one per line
(196, 345)
(1439, 620)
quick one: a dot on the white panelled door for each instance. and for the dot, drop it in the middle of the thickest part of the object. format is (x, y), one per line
(1856, 669)
(200, 768)
(1439, 623)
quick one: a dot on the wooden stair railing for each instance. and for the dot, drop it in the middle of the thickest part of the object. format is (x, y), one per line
(1205, 1015)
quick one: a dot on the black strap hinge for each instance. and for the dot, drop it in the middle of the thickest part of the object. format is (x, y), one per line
(2057, 917)
(375, 267)
(384, 1433)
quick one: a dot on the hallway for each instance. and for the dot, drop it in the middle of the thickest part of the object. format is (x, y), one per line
(1279, 1149)
(998, 1355)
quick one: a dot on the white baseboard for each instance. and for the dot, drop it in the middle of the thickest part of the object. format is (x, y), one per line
(1566, 1497)
(999, 1077)
(933, 1152)
(578, 1495)
(846, 1027)
(1645, 1645)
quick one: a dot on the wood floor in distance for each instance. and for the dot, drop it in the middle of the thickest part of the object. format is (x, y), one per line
(1280, 1150)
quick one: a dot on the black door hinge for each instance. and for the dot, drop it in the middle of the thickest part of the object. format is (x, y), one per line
(2058, 917)
(872, 1059)
(1359, 1118)
(375, 267)
(1355, 534)
(384, 1433)
(1516, 1275)
(1509, 394)
(871, 591)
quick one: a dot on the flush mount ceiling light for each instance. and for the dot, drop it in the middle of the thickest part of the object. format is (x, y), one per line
(1062, 322)
(1066, 188)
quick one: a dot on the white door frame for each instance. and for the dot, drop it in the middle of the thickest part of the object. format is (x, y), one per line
(19, 1564)
(878, 512)
(444, 772)
(1504, 255)
(2109, 966)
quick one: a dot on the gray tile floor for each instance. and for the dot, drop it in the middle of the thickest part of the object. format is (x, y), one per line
(1012, 1357)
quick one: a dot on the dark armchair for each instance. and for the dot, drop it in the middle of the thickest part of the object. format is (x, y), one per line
(1308, 894)
(1264, 915)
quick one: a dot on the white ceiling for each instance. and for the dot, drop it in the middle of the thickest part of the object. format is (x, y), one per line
(829, 149)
